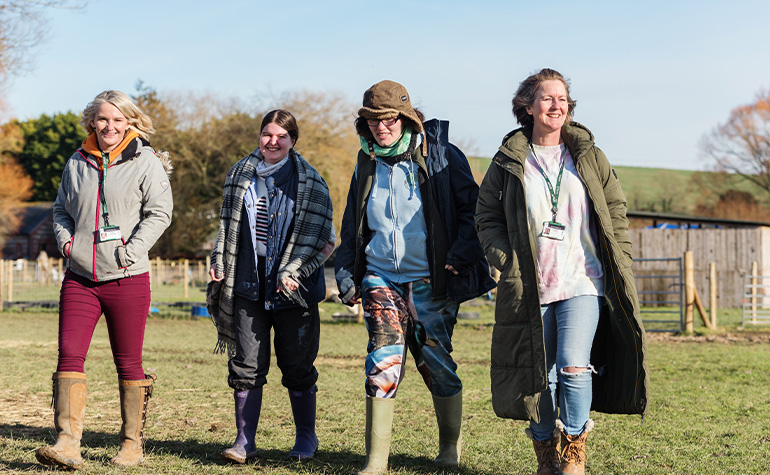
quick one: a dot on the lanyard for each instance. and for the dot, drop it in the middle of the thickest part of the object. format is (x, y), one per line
(102, 197)
(553, 193)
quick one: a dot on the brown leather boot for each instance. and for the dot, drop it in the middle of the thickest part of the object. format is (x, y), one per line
(134, 397)
(573, 450)
(547, 453)
(69, 399)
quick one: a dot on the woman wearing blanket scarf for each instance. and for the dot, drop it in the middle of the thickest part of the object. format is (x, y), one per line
(409, 251)
(274, 235)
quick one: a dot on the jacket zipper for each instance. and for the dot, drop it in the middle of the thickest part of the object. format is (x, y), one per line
(393, 220)
(96, 224)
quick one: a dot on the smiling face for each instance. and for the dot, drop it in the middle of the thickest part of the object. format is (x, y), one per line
(386, 135)
(549, 110)
(275, 143)
(110, 126)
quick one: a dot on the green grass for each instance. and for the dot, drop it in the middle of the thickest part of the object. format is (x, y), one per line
(708, 414)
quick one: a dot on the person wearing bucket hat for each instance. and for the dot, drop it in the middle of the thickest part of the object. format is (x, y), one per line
(409, 252)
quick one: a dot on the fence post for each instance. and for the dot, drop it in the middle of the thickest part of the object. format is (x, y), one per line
(11, 265)
(689, 291)
(159, 270)
(2, 282)
(186, 270)
(713, 292)
(61, 269)
(754, 292)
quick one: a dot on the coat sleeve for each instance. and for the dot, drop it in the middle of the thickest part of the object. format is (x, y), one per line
(63, 224)
(157, 208)
(344, 261)
(491, 222)
(616, 205)
(465, 250)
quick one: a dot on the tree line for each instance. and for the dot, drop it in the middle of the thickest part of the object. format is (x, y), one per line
(205, 136)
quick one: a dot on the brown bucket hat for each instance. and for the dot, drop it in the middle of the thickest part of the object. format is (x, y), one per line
(386, 99)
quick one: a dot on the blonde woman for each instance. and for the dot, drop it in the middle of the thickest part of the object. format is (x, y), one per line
(114, 202)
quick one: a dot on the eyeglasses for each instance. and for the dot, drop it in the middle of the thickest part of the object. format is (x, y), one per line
(385, 122)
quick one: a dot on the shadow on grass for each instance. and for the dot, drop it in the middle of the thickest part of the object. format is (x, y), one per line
(207, 453)
(347, 462)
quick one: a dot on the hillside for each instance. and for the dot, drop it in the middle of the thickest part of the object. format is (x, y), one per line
(661, 189)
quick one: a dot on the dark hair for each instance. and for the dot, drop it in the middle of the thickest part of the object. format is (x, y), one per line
(362, 127)
(525, 95)
(284, 119)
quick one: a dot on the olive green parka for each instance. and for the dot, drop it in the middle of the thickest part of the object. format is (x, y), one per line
(618, 354)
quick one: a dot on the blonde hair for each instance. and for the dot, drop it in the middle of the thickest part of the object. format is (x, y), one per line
(138, 121)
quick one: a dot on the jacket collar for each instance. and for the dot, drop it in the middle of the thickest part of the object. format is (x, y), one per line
(513, 152)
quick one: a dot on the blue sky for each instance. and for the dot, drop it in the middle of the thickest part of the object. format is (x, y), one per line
(651, 78)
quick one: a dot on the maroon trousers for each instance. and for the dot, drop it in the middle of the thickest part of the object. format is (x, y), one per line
(124, 302)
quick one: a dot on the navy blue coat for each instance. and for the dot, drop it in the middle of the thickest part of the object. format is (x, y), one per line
(449, 195)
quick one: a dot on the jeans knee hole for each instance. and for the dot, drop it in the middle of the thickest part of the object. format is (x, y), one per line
(588, 369)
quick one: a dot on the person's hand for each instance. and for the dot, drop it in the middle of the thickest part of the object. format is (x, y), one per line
(289, 284)
(451, 269)
(213, 275)
(67, 249)
(352, 297)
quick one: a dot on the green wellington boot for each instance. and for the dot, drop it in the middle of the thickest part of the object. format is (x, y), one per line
(379, 424)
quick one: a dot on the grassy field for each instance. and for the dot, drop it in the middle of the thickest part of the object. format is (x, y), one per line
(708, 414)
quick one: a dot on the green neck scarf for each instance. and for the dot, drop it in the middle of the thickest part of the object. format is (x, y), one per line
(399, 146)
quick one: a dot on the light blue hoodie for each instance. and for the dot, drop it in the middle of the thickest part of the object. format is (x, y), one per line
(397, 250)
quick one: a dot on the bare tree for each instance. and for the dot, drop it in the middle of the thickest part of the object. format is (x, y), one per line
(742, 144)
(22, 27)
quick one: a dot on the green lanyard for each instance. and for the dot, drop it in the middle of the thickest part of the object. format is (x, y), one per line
(553, 193)
(102, 197)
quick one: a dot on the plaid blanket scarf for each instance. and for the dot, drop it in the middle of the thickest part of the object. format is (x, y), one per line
(312, 231)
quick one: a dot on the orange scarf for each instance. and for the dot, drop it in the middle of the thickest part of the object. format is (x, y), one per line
(91, 145)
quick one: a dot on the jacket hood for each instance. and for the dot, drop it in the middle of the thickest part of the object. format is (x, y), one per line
(128, 150)
(165, 160)
(515, 146)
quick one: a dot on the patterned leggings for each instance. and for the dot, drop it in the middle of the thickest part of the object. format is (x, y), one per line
(404, 315)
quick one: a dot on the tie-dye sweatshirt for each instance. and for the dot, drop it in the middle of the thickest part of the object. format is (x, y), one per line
(570, 267)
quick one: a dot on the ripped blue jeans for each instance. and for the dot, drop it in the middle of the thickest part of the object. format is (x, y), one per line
(569, 327)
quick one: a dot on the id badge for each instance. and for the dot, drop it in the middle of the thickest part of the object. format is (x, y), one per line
(554, 230)
(109, 233)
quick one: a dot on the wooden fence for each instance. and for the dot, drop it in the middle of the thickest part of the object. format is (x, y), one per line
(26, 281)
(731, 250)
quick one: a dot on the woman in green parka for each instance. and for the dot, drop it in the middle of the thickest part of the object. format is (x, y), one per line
(568, 337)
